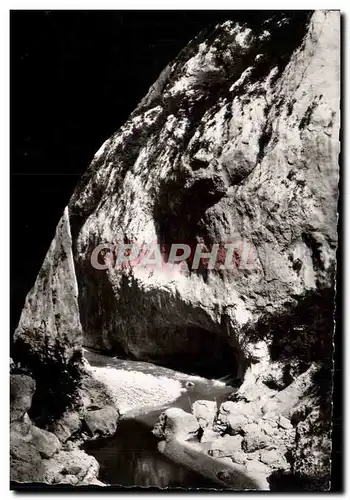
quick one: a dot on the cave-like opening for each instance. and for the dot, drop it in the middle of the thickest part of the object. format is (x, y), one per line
(198, 351)
(188, 349)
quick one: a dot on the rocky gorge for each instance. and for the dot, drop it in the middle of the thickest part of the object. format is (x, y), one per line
(236, 142)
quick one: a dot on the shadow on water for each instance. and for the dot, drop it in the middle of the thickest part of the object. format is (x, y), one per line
(131, 458)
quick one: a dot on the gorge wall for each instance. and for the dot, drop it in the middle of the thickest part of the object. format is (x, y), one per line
(237, 141)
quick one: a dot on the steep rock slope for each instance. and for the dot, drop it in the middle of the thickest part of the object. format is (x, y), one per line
(237, 141)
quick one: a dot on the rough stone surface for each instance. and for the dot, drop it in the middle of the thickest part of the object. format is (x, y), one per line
(102, 422)
(284, 422)
(254, 439)
(205, 413)
(230, 148)
(313, 450)
(175, 423)
(76, 463)
(45, 442)
(273, 458)
(93, 392)
(25, 462)
(226, 446)
(229, 419)
(22, 388)
(22, 427)
(285, 402)
(67, 426)
(49, 327)
(237, 142)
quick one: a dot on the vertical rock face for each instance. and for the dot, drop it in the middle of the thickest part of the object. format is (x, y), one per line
(237, 142)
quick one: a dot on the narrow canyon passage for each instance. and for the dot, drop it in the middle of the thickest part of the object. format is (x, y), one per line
(143, 391)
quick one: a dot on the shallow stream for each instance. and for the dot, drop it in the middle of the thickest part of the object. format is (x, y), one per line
(130, 457)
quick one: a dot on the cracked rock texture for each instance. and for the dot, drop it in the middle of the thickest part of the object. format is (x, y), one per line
(255, 440)
(230, 147)
(237, 142)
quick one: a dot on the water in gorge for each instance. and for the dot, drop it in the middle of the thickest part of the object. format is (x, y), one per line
(131, 457)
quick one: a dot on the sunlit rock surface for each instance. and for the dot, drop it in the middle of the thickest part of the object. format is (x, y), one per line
(238, 141)
(231, 147)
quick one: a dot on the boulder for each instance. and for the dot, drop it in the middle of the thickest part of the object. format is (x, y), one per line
(66, 479)
(274, 458)
(102, 422)
(285, 401)
(25, 462)
(284, 423)
(67, 426)
(232, 417)
(236, 423)
(254, 439)
(205, 412)
(45, 442)
(226, 446)
(65, 466)
(239, 457)
(175, 423)
(241, 480)
(22, 427)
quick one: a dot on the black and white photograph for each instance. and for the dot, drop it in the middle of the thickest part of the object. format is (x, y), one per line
(174, 256)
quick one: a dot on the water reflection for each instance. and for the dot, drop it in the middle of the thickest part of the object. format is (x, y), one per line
(131, 458)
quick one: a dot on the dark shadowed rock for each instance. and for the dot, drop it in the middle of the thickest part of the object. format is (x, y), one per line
(94, 393)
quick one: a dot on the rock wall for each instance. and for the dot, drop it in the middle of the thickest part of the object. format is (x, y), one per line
(238, 141)
(49, 327)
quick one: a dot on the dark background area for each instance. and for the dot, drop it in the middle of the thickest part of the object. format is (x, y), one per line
(75, 78)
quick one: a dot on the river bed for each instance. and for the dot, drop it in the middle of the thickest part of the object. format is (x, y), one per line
(131, 457)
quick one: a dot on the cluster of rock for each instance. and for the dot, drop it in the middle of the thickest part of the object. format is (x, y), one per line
(264, 440)
(39, 455)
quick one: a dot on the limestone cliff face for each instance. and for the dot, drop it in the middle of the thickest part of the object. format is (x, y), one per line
(237, 141)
